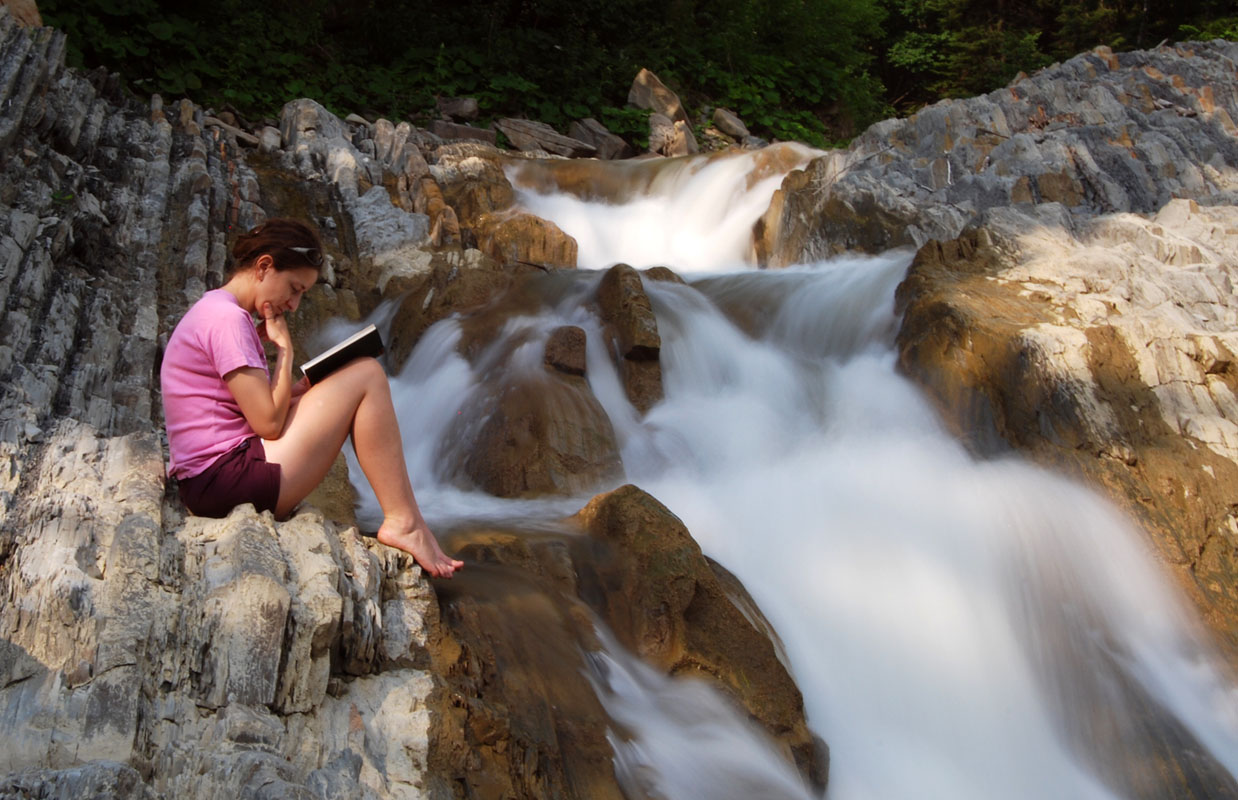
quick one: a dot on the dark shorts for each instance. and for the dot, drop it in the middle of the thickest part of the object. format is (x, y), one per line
(242, 475)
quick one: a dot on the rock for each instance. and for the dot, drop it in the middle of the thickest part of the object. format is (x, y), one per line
(459, 109)
(445, 287)
(649, 93)
(1067, 346)
(455, 132)
(1085, 134)
(24, 12)
(526, 239)
(666, 602)
(689, 623)
(538, 136)
(671, 138)
(608, 145)
(270, 139)
(730, 124)
(565, 350)
(625, 308)
(472, 180)
(535, 436)
(244, 137)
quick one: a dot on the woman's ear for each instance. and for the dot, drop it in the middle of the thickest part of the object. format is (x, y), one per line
(263, 264)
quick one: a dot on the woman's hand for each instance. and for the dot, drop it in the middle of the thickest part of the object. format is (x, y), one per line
(274, 328)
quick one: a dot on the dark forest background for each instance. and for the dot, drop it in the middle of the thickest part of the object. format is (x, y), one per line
(810, 70)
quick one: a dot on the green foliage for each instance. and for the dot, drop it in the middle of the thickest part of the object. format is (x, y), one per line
(1224, 28)
(812, 70)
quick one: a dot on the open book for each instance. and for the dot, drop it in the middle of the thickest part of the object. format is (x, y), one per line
(365, 342)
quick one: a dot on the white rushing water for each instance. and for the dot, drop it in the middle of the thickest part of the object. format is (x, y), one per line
(959, 628)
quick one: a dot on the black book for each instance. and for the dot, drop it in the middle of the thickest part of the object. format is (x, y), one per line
(365, 342)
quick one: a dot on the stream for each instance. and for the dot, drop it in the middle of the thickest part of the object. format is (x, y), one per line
(959, 628)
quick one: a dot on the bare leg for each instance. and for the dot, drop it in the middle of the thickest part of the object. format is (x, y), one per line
(356, 400)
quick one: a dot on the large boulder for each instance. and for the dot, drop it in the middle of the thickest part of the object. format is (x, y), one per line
(1100, 133)
(1107, 351)
(529, 436)
(651, 94)
(525, 238)
(667, 602)
(638, 576)
(471, 176)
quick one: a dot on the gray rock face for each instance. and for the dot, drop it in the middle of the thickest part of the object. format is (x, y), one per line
(143, 654)
(1100, 133)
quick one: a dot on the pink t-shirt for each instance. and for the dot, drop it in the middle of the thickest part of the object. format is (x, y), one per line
(203, 419)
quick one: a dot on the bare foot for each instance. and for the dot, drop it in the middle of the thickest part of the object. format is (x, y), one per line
(420, 543)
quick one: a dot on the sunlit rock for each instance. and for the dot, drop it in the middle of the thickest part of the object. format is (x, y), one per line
(1085, 134)
(525, 238)
(648, 92)
(1107, 351)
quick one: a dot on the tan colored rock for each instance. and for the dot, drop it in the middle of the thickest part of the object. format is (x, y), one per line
(671, 138)
(447, 286)
(525, 238)
(650, 93)
(668, 603)
(25, 12)
(472, 180)
(730, 124)
(1111, 355)
(629, 316)
(541, 435)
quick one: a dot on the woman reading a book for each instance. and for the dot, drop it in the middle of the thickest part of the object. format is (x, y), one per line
(241, 433)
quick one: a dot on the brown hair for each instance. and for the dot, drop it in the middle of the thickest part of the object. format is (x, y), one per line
(291, 244)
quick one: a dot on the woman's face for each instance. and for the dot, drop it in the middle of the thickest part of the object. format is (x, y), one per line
(283, 289)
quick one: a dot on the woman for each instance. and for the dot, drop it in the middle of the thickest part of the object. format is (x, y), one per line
(241, 433)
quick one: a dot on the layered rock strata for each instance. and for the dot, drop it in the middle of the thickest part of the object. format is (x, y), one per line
(1101, 133)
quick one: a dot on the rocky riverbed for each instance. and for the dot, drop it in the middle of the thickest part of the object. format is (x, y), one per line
(1072, 297)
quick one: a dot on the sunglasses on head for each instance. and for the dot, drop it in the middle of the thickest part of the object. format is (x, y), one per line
(311, 254)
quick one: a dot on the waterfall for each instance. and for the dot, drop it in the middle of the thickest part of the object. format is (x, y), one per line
(959, 628)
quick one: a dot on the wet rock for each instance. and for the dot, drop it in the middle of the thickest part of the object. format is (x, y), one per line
(536, 435)
(525, 238)
(447, 285)
(1105, 350)
(664, 600)
(626, 309)
(565, 350)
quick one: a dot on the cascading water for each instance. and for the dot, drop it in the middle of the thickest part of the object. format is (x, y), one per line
(959, 628)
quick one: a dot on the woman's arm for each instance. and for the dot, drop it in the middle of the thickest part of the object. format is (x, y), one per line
(265, 404)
